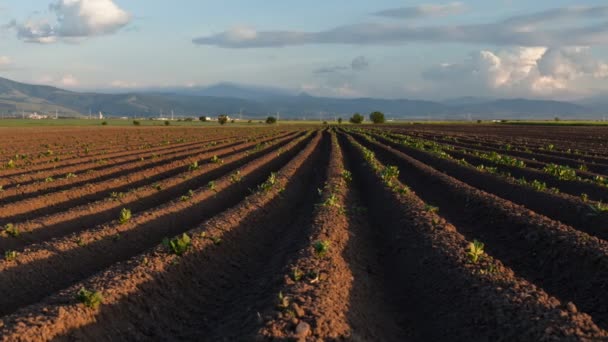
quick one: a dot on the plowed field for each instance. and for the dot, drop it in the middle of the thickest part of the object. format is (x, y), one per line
(388, 233)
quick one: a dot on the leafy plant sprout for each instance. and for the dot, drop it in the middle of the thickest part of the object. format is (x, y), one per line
(178, 245)
(90, 298)
(475, 251)
(125, 216)
(321, 247)
(11, 230)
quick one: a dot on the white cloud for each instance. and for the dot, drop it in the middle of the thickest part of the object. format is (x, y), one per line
(570, 26)
(73, 19)
(67, 80)
(520, 71)
(423, 11)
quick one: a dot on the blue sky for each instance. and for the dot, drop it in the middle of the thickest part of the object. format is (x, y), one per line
(391, 49)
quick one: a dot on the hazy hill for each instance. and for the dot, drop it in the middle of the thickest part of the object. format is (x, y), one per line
(229, 98)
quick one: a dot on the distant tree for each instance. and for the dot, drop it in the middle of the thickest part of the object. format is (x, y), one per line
(167, 123)
(556, 119)
(136, 123)
(222, 119)
(249, 121)
(188, 119)
(232, 121)
(104, 123)
(271, 120)
(325, 122)
(339, 120)
(377, 117)
(357, 118)
(203, 118)
(478, 121)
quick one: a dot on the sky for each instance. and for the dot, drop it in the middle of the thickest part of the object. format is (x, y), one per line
(551, 49)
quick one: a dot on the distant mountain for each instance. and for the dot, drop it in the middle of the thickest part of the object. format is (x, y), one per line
(236, 90)
(257, 102)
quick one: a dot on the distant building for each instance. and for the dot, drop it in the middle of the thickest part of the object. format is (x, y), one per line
(37, 116)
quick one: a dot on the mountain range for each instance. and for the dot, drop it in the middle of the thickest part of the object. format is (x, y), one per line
(256, 102)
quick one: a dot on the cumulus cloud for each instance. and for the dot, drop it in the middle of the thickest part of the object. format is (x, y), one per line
(520, 71)
(572, 26)
(422, 11)
(73, 19)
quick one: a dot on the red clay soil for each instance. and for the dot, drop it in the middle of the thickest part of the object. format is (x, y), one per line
(331, 295)
(54, 202)
(564, 208)
(38, 229)
(214, 292)
(445, 297)
(567, 263)
(44, 268)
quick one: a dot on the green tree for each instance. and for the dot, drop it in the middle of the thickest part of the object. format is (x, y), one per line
(357, 118)
(271, 120)
(222, 119)
(203, 118)
(377, 117)
(339, 120)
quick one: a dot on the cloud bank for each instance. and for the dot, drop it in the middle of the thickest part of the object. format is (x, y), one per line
(572, 26)
(73, 19)
(422, 11)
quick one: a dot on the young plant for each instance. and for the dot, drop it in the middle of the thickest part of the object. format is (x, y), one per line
(236, 177)
(10, 255)
(296, 274)
(10, 164)
(331, 201)
(269, 183)
(211, 185)
(193, 166)
(431, 209)
(347, 176)
(475, 251)
(216, 160)
(389, 174)
(125, 216)
(11, 230)
(178, 245)
(91, 299)
(321, 247)
(48, 179)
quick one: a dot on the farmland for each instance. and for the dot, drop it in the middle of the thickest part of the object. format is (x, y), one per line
(373, 233)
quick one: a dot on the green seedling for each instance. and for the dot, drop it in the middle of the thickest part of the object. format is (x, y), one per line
(475, 251)
(389, 174)
(11, 230)
(193, 166)
(216, 160)
(125, 216)
(321, 247)
(296, 274)
(347, 176)
(48, 179)
(283, 301)
(10, 164)
(10, 255)
(211, 185)
(178, 245)
(431, 209)
(70, 175)
(236, 177)
(91, 299)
